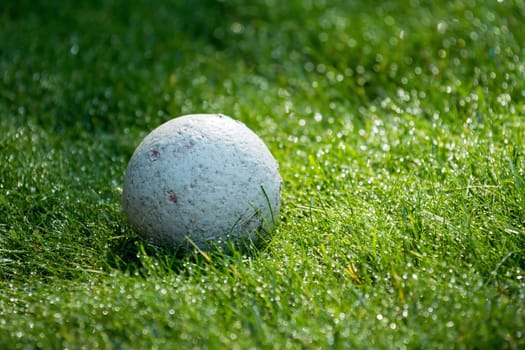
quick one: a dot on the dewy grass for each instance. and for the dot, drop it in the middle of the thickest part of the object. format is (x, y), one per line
(399, 128)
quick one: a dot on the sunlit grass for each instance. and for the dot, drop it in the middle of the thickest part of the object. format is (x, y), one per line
(399, 129)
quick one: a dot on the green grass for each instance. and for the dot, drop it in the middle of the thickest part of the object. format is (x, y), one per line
(399, 127)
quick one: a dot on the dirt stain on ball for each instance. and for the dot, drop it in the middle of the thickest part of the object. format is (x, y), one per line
(153, 155)
(172, 196)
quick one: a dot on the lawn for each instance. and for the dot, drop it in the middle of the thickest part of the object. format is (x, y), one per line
(399, 128)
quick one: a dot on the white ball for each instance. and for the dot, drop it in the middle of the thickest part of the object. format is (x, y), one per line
(201, 179)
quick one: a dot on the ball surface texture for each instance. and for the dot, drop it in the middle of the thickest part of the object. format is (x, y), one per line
(201, 179)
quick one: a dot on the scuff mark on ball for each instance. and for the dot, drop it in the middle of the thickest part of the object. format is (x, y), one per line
(153, 155)
(172, 196)
(189, 144)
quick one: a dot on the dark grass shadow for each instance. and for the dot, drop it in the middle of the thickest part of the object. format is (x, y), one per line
(132, 254)
(136, 256)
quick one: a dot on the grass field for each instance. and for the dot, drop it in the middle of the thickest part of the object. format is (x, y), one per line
(399, 127)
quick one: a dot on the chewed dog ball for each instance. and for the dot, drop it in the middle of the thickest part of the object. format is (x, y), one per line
(201, 180)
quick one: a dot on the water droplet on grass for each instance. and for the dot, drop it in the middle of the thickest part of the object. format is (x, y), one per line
(74, 49)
